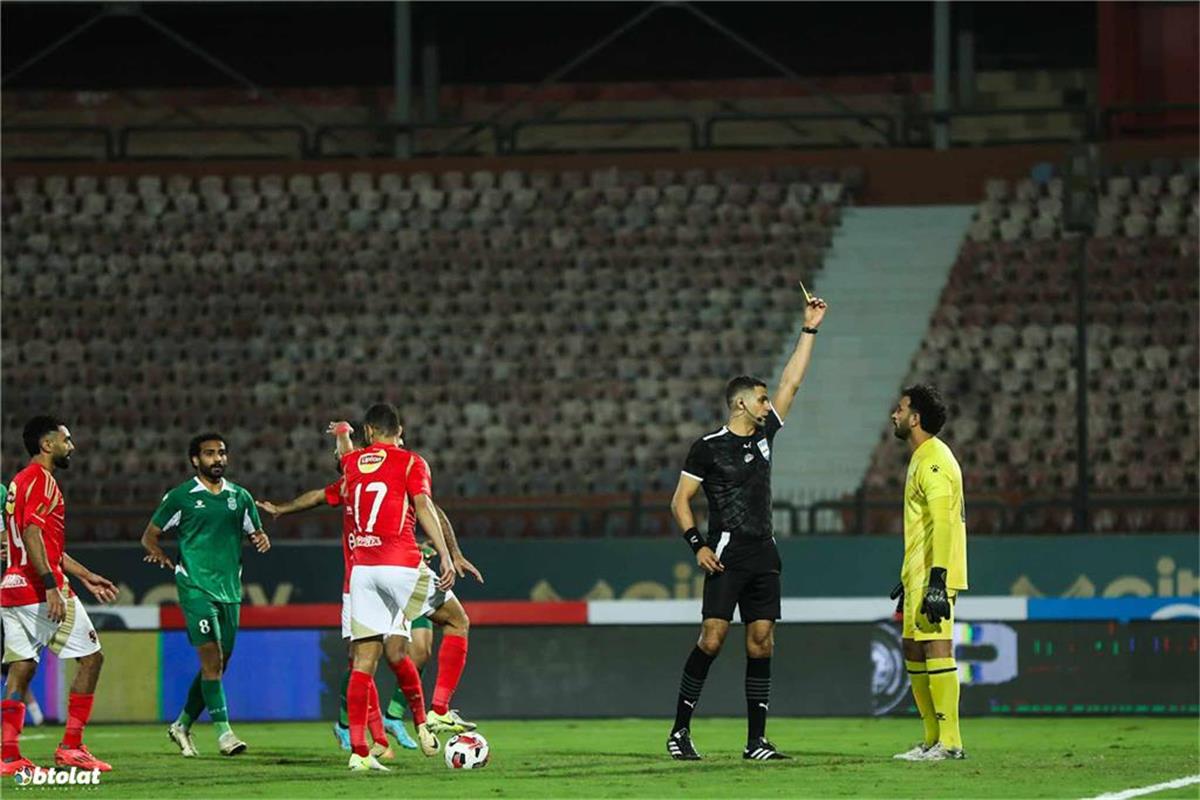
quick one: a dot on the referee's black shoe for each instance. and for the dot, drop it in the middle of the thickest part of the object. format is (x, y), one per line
(679, 745)
(762, 750)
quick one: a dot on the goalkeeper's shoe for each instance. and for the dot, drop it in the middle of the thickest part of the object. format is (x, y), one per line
(450, 722)
(429, 743)
(939, 752)
(182, 737)
(395, 727)
(365, 763)
(680, 747)
(230, 745)
(763, 750)
(913, 754)
(342, 735)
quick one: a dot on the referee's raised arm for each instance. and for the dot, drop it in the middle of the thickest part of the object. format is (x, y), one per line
(797, 365)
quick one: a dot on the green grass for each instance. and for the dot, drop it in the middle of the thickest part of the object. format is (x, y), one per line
(1033, 757)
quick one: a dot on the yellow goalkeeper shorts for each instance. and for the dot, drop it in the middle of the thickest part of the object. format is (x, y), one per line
(916, 625)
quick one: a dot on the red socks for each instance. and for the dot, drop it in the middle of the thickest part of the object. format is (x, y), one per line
(452, 659)
(12, 718)
(409, 681)
(79, 709)
(374, 718)
(358, 694)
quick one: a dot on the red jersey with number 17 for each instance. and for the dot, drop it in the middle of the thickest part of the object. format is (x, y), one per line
(383, 482)
(334, 496)
(33, 499)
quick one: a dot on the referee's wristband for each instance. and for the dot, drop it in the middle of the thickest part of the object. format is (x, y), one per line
(694, 539)
(49, 581)
(807, 329)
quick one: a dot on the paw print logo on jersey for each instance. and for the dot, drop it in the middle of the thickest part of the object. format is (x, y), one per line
(370, 462)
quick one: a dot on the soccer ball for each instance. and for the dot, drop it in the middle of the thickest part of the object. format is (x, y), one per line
(467, 751)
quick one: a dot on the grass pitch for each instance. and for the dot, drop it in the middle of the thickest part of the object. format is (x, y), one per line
(1034, 757)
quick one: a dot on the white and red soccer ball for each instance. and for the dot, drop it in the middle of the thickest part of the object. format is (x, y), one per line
(467, 751)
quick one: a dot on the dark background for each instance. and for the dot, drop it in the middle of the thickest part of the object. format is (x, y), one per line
(350, 44)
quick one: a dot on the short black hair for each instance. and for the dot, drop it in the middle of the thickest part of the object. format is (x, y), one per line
(384, 418)
(926, 400)
(740, 384)
(201, 438)
(36, 429)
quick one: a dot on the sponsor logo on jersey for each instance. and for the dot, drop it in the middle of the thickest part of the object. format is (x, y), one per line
(14, 580)
(367, 541)
(371, 461)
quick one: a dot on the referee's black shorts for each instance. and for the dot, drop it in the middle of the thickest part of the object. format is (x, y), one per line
(751, 585)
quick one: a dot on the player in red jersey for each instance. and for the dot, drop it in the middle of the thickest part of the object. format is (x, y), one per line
(390, 490)
(37, 605)
(394, 643)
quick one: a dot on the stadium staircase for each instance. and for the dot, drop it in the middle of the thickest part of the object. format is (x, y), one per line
(884, 272)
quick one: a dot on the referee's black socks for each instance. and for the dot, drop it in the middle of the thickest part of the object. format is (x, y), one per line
(758, 697)
(690, 686)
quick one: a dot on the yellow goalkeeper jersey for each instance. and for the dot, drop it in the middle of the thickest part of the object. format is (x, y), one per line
(933, 499)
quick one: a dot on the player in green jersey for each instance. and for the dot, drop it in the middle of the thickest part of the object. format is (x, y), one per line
(210, 516)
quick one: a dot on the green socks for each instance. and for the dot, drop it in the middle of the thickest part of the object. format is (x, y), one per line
(214, 699)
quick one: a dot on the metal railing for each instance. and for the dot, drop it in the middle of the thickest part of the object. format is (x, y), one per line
(255, 133)
(389, 135)
(700, 132)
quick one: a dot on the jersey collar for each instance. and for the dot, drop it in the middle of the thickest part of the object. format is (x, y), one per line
(200, 487)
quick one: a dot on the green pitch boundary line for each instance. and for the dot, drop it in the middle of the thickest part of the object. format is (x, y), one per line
(1178, 783)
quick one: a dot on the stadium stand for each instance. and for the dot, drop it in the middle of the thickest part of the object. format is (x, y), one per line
(1008, 367)
(546, 333)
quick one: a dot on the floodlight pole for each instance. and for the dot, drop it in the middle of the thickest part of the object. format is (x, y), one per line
(941, 74)
(402, 107)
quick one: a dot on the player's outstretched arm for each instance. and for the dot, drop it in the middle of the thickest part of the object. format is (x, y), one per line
(154, 552)
(98, 585)
(461, 564)
(681, 509)
(341, 431)
(310, 499)
(797, 365)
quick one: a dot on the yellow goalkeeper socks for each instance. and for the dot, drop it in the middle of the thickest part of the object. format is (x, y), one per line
(943, 685)
(919, 677)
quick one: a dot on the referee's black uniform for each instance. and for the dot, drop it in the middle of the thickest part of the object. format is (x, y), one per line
(735, 472)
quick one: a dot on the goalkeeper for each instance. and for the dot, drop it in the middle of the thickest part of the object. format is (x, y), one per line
(934, 570)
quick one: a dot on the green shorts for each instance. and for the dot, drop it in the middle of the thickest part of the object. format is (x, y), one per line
(422, 622)
(207, 620)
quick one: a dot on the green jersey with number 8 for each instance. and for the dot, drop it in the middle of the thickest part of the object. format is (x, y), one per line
(210, 530)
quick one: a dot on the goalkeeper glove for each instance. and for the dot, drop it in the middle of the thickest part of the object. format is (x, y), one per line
(936, 605)
(898, 595)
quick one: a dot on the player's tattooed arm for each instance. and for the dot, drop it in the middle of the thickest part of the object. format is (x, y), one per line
(428, 517)
(103, 589)
(310, 499)
(154, 552)
(35, 547)
(797, 365)
(461, 564)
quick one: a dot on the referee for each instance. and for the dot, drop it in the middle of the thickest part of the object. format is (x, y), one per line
(739, 554)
